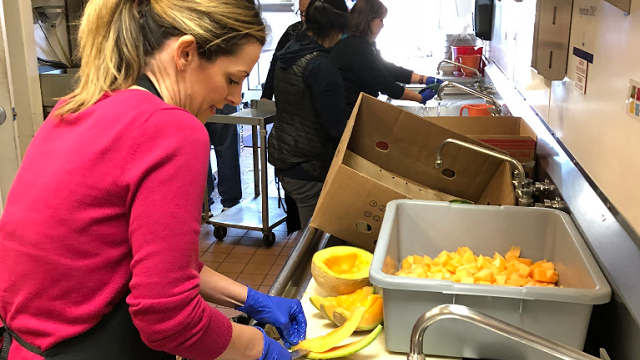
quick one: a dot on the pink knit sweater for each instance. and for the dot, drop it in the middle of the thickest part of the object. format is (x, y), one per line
(108, 200)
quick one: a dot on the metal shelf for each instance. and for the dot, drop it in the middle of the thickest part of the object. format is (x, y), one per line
(260, 213)
(248, 215)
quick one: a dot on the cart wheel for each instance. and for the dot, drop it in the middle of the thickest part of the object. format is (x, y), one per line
(219, 232)
(269, 239)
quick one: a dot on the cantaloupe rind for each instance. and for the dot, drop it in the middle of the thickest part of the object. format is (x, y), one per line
(347, 349)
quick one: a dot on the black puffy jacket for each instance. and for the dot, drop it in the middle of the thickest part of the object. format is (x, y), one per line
(310, 111)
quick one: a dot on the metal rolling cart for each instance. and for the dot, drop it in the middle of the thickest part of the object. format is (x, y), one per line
(260, 213)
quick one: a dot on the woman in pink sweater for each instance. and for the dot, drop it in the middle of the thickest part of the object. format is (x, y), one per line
(99, 237)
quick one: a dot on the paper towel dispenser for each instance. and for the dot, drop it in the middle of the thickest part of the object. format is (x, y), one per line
(483, 19)
(551, 38)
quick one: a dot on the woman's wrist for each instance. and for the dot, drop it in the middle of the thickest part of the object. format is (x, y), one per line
(219, 289)
(247, 343)
(411, 95)
(419, 79)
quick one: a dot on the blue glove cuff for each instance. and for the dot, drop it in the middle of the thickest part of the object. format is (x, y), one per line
(272, 350)
(248, 303)
(433, 80)
(265, 343)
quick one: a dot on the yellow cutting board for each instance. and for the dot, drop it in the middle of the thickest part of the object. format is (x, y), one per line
(317, 325)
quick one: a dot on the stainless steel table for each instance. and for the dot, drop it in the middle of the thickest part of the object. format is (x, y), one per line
(261, 212)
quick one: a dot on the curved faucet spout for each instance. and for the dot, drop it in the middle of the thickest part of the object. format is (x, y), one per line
(477, 74)
(461, 312)
(512, 161)
(492, 100)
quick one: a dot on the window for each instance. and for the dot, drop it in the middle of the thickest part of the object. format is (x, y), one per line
(413, 36)
(278, 22)
(414, 31)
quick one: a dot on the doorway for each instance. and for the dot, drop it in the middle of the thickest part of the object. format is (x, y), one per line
(9, 150)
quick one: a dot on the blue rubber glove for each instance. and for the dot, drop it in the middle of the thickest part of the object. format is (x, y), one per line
(427, 95)
(286, 315)
(433, 80)
(272, 350)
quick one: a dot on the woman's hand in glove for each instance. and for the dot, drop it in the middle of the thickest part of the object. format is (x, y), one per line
(272, 350)
(433, 80)
(286, 315)
(427, 95)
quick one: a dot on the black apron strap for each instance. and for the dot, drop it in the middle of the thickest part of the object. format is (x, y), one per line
(145, 82)
(8, 337)
(6, 344)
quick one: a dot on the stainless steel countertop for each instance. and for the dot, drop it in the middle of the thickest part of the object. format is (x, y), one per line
(262, 112)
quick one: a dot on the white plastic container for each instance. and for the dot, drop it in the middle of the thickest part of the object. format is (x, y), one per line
(414, 227)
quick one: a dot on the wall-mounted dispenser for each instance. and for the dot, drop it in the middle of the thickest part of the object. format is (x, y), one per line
(483, 19)
(551, 38)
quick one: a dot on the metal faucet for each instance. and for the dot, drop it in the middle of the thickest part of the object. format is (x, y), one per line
(497, 109)
(479, 79)
(477, 73)
(461, 312)
(524, 193)
(519, 169)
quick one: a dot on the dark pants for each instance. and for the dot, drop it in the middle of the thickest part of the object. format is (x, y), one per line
(305, 194)
(224, 138)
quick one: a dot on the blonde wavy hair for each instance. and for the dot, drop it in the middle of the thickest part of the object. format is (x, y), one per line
(116, 37)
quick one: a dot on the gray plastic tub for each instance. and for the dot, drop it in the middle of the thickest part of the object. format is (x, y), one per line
(415, 227)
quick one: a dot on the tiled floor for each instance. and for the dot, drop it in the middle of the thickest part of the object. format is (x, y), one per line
(241, 255)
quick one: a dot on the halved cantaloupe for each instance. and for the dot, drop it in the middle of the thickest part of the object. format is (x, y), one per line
(348, 349)
(325, 342)
(372, 317)
(340, 270)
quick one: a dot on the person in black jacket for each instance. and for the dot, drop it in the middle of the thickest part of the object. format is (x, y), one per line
(310, 107)
(363, 68)
(292, 31)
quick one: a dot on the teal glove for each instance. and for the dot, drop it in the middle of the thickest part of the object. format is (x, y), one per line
(435, 87)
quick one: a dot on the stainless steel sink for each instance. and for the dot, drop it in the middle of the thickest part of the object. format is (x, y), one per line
(449, 106)
(464, 81)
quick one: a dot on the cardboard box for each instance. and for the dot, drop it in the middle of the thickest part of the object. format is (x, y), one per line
(387, 153)
(508, 133)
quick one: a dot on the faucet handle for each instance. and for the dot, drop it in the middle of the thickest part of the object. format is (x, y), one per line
(559, 204)
(544, 187)
(493, 111)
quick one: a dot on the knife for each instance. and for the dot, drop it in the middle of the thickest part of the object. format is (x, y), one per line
(298, 353)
